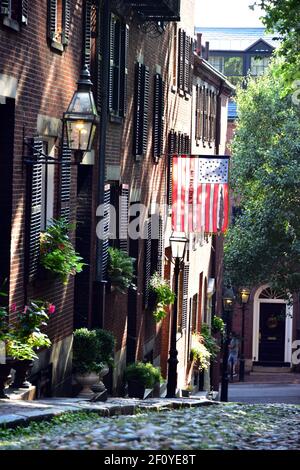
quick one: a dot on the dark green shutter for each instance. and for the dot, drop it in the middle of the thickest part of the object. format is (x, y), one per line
(185, 294)
(65, 182)
(35, 208)
(161, 251)
(24, 12)
(99, 63)
(124, 69)
(66, 21)
(52, 18)
(123, 217)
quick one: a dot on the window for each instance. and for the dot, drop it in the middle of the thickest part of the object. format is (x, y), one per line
(259, 65)
(229, 66)
(47, 188)
(14, 12)
(205, 115)
(194, 313)
(59, 17)
(118, 68)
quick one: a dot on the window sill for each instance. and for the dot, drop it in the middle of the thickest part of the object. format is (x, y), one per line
(115, 119)
(181, 93)
(12, 24)
(187, 96)
(57, 46)
(173, 89)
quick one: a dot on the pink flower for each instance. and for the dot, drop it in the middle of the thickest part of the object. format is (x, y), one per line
(13, 307)
(25, 309)
(51, 308)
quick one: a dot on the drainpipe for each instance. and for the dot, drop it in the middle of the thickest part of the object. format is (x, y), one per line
(100, 283)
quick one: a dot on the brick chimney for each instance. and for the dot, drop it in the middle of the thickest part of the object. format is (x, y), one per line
(199, 44)
(206, 52)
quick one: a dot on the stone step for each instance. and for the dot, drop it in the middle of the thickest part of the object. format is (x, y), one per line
(21, 393)
(270, 370)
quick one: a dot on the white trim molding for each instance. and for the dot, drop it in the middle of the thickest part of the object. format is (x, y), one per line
(288, 324)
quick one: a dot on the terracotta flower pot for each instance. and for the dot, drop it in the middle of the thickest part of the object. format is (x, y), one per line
(22, 369)
(87, 381)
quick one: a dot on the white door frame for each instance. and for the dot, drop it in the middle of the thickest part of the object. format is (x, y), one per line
(288, 324)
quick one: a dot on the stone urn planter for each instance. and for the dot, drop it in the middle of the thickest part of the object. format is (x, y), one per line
(22, 369)
(87, 380)
(99, 388)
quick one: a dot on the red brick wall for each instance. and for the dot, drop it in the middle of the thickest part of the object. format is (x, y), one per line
(46, 82)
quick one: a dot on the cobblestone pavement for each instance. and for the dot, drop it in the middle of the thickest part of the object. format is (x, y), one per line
(224, 426)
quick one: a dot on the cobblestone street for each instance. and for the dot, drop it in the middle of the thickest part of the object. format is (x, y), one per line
(223, 426)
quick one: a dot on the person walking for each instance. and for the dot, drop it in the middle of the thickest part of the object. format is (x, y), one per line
(233, 354)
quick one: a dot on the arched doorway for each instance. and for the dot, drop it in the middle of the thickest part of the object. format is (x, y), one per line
(272, 328)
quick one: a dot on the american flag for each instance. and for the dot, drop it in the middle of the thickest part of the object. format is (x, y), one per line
(200, 199)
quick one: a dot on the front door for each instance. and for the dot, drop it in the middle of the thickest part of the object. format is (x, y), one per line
(272, 332)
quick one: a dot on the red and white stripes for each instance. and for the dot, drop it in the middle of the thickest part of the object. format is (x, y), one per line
(198, 205)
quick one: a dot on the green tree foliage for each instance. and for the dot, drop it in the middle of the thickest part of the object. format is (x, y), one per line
(282, 17)
(264, 243)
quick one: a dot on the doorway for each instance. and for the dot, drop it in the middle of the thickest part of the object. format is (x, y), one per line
(271, 332)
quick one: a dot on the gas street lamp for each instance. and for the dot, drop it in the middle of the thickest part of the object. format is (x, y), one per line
(178, 242)
(228, 302)
(81, 117)
(244, 295)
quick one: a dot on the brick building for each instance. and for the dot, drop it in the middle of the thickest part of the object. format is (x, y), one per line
(146, 78)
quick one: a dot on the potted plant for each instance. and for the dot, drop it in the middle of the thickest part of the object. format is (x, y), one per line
(209, 342)
(199, 352)
(88, 361)
(5, 362)
(28, 336)
(58, 255)
(186, 392)
(140, 376)
(218, 325)
(163, 294)
(120, 270)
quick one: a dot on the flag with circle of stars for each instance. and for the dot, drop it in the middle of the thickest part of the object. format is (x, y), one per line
(200, 195)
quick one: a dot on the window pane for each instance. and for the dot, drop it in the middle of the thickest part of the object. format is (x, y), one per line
(233, 66)
(259, 65)
(217, 62)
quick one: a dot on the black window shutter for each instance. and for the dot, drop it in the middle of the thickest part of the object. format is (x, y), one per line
(123, 217)
(124, 69)
(180, 63)
(52, 19)
(66, 21)
(65, 182)
(24, 12)
(187, 61)
(34, 209)
(158, 116)
(105, 235)
(99, 62)
(114, 72)
(160, 257)
(4, 4)
(147, 262)
(87, 34)
(185, 287)
(146, 108)
(171, 152)
(140, 135)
